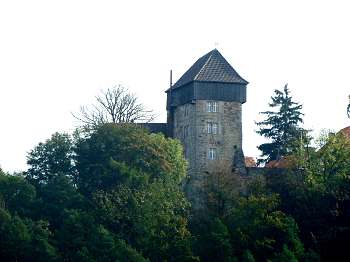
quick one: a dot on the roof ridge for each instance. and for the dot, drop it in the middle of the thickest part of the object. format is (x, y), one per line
(202, 68)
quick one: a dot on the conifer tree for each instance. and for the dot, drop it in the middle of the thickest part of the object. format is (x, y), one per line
(281, 127)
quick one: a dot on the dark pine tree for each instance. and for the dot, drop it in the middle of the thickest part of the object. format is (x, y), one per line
(281, 127)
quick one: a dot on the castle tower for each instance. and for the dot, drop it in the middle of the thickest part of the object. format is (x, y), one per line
(205, 113)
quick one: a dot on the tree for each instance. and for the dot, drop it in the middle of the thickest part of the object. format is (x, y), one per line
(213, 241)
(221, 189)
(253, 229)
(256, 224)
(82, 238)
(248, 256)
(57, 195)
(133, 180)
(24, 239)
(152, 219)
(50, 159)
(316, 193)
(16, 194)
(282, 127)
(113, 155)
(126, 203)
(114, 105)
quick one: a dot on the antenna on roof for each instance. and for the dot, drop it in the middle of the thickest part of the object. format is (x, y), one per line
(348, 108)
(216, 44)
(171, 78)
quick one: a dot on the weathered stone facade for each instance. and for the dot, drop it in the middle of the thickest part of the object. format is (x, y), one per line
(193, 127)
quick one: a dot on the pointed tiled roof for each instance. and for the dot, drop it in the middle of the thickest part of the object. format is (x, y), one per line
(346, 132)
(211, 67)
(249, 161)
(283, 162)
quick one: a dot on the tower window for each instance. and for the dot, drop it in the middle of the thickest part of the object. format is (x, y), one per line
(215, 128)
(212, 128)
(186, 131)
(212, 106)
(186, 110)
(212, 154)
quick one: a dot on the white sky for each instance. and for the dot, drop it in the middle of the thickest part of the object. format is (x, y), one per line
(56, 55)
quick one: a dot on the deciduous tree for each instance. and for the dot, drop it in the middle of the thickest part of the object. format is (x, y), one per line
(114, 105)
(50, 159)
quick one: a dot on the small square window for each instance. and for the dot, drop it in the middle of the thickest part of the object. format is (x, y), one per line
(212, 128)
(212, 154)
(212, 106)
(209, 127)
(215, 106)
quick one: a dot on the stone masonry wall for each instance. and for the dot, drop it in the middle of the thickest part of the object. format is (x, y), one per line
(190, 127)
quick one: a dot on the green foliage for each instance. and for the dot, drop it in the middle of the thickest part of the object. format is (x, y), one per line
(333, 165)
(15, 237)
(114, 194)
(149, 218)
(111, 194)
(138, 197)
(57, 196)
(40, 242)
(253, 228)
(120, 154)
(285, 256)
(50, 159)
(248, 256)
(82, 238)
(311, 256)
(16, 194)
(221, 190)
(125, 253)
(257, 225)
(24, 240)
(134, 185)
(214, 243)
(281, 126)
(317, 195)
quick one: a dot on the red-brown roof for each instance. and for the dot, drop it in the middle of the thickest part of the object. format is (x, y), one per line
(284, 162)
(287, 162)
(249, 161)
(346, 132)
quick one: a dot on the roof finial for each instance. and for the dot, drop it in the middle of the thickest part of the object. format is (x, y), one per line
(216, 44)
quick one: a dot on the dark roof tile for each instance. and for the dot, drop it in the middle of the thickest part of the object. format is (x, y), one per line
(211, 67)
(156, 127)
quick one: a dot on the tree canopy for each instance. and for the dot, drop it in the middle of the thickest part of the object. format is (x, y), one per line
(114, 105)
(114, 193)
(281, 127)
(111, 194)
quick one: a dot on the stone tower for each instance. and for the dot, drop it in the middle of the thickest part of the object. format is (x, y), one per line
(205, 113)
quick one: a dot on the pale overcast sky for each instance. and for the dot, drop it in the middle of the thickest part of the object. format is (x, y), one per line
(56, 55)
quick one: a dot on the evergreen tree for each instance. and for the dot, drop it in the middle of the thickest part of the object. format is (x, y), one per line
(281, 127)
